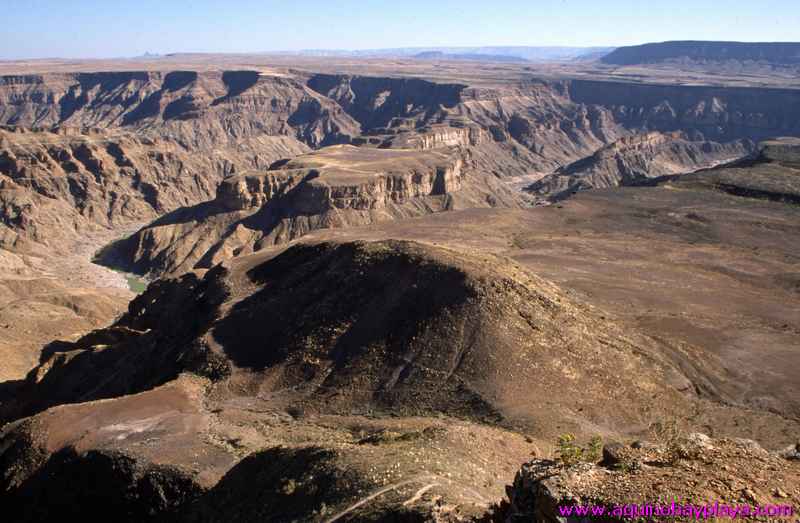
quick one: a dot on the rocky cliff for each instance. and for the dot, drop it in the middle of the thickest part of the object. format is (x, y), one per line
(183, 131)
(102, 149)
(634, 160)
(55, 185)
(773, 173)
(335, 187)
(521, 132)
(785, 151)
(718, 113)
(196, 109)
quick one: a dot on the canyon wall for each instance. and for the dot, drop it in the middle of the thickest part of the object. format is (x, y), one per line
(335, 187)
(636, 160)
(719, 113)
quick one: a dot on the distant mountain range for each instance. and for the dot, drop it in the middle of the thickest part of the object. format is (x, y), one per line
(438, 55)
(501, 54)
(779, 53)
(771, 54)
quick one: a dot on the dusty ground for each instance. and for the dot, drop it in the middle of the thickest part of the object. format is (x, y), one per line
(712, 475)
(714, 276)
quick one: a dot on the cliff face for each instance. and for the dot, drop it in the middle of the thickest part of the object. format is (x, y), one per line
(387, 102)
(522, 131)
(771, 174)
(636, 159)
(785, 151)
(105, 149)
(100, 178)
(719, 113)
(439, 135)
(335, 187)
(198, 110)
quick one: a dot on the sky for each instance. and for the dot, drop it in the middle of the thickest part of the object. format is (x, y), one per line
(121, 28)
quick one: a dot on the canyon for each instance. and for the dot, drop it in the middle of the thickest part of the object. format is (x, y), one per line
(378, 296)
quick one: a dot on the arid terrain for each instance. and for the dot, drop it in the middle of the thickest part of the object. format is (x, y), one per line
(386, 288)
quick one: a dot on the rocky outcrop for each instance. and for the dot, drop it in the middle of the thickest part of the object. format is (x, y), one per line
(439, 135)
(687, 477)
(336, 187)
(636, 160)
(347, 178)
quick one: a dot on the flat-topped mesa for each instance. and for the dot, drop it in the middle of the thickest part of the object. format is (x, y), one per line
(347, 178)
(778, 53)
(335, 187)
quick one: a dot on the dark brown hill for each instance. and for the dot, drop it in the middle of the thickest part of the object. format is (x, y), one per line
(308, 354)
(336, 335)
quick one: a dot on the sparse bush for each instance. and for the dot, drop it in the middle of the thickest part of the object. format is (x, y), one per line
(594, 451)
(570, 453)
(668, 434)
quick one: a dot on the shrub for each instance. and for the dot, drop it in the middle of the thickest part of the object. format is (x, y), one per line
(570, 453)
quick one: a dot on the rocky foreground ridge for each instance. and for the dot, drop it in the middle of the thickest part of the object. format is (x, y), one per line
(713, 479)
(299, 367)
(334, 381)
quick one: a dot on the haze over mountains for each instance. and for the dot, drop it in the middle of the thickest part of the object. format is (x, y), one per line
(382, 286)
(503, 53)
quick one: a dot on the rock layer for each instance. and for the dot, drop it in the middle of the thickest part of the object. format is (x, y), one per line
(636, 160)
(336, 187)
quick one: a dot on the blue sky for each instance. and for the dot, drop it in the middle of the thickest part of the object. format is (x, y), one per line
(94, 28)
